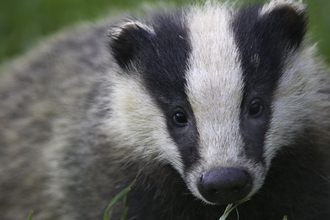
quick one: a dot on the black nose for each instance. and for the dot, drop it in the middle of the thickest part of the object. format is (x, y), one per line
(225, 185)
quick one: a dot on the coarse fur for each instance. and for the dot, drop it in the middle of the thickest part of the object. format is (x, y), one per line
(166, 99)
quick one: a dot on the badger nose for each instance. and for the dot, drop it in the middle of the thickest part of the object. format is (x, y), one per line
(225, 185)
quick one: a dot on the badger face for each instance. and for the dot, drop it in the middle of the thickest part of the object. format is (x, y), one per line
(200, 89)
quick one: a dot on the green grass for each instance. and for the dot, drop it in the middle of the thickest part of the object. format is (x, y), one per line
(30, 217)
(120, 196)
(23, 23)
(230, 208)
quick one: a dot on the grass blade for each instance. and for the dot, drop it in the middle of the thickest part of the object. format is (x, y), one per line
(30, 215)
(119, 196)
(124, 215)
(231, 207)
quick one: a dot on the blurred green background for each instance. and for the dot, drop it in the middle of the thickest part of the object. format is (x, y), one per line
(25, 22)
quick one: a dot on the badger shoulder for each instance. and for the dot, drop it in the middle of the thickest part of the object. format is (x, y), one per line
(43, 96)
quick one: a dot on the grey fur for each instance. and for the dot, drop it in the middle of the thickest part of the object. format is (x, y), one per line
(43, 117)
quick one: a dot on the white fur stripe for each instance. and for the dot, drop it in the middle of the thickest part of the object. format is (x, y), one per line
(138, 126)
(214, 87)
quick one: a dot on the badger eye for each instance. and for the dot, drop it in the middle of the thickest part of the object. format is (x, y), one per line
(256, 108)
(180, 118)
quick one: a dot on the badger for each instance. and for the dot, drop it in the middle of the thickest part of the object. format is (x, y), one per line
(203, 106)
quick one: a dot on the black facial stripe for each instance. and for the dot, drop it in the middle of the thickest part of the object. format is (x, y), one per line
(261, 51)
(164, 66)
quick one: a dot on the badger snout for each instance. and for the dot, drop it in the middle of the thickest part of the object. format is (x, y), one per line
(225, 185)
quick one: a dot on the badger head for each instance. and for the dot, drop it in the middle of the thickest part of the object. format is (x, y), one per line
(213, 91)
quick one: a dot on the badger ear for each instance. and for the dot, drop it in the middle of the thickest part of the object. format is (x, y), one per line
(127, 39)
(287, 21)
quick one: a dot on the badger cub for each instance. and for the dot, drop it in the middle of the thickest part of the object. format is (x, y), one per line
(204, 106)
